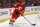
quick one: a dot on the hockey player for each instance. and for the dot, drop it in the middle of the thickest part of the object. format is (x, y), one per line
(19, 9)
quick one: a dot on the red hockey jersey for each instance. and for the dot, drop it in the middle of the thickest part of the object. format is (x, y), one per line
(20, 8)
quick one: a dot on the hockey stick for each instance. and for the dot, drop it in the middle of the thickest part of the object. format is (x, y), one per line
(29, 22)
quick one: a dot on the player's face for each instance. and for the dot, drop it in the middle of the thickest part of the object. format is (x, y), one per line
(23, 3)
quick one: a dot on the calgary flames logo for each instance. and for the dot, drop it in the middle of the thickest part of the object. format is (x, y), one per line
(20, 8)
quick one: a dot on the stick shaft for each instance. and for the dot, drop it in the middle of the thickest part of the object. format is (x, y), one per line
(27, 20)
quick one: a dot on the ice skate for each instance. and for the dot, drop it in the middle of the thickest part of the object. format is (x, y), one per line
(11, 23)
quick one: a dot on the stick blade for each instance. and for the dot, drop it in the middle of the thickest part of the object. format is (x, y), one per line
(33, 24)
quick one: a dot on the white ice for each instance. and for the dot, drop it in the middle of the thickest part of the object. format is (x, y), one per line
(22, 22)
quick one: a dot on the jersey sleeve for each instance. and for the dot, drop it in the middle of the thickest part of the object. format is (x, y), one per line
(23, 9)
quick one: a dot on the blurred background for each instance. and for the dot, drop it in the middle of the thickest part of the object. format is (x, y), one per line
(10, 3)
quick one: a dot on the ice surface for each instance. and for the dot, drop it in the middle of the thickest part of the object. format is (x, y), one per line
(22, 22)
